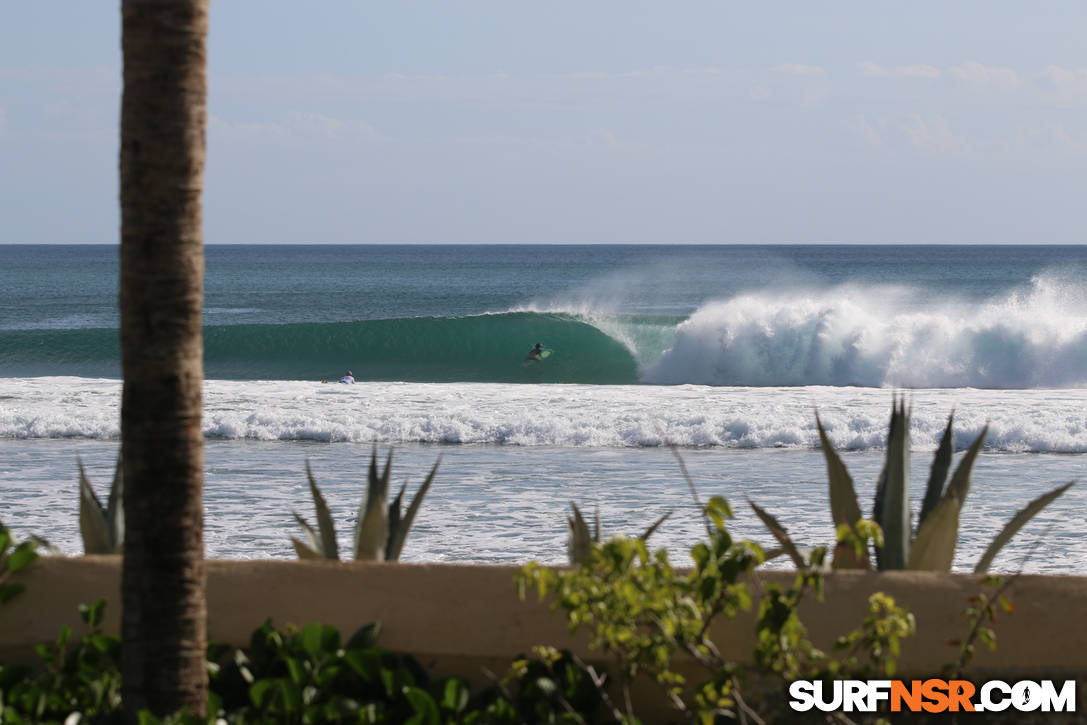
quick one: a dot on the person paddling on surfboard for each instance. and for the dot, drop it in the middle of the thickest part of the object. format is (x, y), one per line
(348, 379)
(535, 353)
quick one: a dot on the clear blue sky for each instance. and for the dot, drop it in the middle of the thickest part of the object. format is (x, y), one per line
(562, 121)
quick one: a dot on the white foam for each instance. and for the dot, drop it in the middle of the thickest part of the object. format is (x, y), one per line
(562, 415)
(880, 335)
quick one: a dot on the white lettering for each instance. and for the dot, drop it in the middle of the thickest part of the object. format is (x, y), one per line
(878, 691)
(835, 701)
(988, 703)
(802, 694)
(853, 698)
(1064, 701)
(1026, 696)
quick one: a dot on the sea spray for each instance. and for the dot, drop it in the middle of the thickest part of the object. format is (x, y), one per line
(864, 335)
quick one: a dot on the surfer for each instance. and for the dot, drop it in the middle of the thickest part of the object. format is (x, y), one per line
(348, 379)
(534, 353)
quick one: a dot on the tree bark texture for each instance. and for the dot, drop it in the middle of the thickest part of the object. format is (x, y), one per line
(163, 120)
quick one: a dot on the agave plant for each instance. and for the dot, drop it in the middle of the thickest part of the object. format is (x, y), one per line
(380, 531)
(102, 528)
(580, 543)
(931, 544)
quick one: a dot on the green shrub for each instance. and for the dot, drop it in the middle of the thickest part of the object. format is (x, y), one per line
(14, 557)
(79, 679)
(641, 613)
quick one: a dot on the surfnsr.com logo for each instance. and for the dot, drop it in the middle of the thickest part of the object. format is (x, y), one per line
(932, 695)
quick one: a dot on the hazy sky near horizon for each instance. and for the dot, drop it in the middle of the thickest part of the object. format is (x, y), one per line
(609, 121)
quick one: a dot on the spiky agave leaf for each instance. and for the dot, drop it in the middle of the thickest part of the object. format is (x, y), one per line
(939, 534)
(93, 522)
(844, 508)
(393, 516)
(580, 544)
(934, 547)
(893, 492)
(964, 474)
(313, 541)
(304, 551)
(399, 528)
(372, 526)
(646, 534)
(780, 534)
(941, 464)
(1017, 522)
(327, 545)
(115, 507)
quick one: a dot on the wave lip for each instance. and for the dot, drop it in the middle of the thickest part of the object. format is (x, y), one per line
(862, 336)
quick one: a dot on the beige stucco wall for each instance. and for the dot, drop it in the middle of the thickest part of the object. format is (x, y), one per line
(457, 618)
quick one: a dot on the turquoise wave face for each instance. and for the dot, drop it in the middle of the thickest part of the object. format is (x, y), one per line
(481, 348)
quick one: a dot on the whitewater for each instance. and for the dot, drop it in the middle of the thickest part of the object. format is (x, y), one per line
(1034, 336)
(564, 415)
(724, 353)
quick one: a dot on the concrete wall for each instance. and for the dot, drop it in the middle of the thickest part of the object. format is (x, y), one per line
(457, 619)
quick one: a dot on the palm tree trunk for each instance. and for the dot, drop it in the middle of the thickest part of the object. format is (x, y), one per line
(163, 110)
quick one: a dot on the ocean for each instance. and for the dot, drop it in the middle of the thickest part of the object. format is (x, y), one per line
(726, 352)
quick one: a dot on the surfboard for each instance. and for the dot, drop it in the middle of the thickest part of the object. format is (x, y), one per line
(535, 360)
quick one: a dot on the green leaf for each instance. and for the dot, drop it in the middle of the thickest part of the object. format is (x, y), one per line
(580, 545)
(305, 552)
(313, 542)
(372, 526)
(93, 522)
(941, 464)
(324, 519)
(115, 507)
(423, 705)
(455, 695)
(399, 534)
(92, 614)
(259, 692)
(295, 671)
(7, 591)
(718, 509)
(934, 548)
(365, 662)
(894, 517)
(23, 556)
(365, 637)
(1017, 522)
(312, 638)
(844, 508)
(960, 482)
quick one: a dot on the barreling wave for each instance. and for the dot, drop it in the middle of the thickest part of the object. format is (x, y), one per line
(868, 336)
(480, 348)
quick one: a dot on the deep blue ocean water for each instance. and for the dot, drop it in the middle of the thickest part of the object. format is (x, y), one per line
(1004, 317)
(723, 350)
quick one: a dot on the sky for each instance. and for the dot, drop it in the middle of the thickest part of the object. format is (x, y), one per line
(574, 122)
